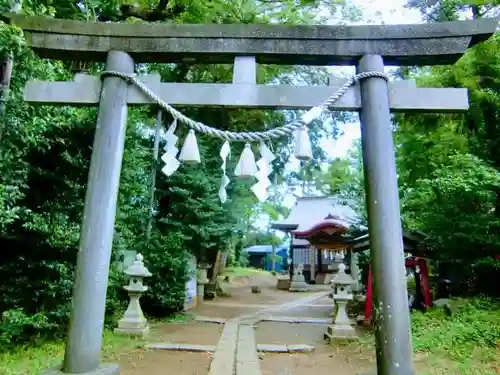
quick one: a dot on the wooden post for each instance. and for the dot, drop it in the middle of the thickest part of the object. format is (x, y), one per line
(152, 176)
(312, 257)
(369, 297)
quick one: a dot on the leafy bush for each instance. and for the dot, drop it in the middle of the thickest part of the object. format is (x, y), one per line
(16, 325)
(476, 323)
(116, 297)
(243, 259)
(167, 259)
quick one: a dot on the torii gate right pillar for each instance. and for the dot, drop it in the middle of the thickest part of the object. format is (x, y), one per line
(393, 337)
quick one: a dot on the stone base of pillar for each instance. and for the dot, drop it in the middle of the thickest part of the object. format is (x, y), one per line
(136, 332)
(103, 369)
(298, 284)
(340, 332)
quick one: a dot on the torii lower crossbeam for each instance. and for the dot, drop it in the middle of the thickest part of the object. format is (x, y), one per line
(404, 96)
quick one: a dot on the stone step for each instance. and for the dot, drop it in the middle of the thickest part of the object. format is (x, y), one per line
(181, 347)
(295, 319)
(208, 319)
(272, 348)
(223, 362)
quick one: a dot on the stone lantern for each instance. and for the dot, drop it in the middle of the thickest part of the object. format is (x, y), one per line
(341, 325)
(202, 280)
(133, 321)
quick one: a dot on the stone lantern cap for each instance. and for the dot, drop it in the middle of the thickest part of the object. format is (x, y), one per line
(137, 269)
(342, 278)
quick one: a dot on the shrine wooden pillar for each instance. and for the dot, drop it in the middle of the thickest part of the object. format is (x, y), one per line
(312, 261)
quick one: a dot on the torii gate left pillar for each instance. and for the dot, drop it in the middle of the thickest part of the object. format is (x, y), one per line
(370, 46)
(83, 347)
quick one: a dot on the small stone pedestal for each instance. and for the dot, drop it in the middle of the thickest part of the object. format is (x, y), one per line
(283, 283)
(133, 322)
(298, 283)
(341, 327)
(202, 280)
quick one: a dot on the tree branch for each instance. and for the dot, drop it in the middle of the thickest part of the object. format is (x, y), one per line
(161, 13)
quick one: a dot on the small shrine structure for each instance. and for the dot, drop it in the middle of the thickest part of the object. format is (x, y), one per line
(326, 232)
(323, 231)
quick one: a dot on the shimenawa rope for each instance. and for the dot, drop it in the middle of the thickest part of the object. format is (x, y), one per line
(241, 136)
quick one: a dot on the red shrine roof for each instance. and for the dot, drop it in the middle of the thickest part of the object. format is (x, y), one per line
(330, 223)
(311, 215)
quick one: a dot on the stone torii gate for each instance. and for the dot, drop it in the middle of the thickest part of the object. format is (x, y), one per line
(367, 47)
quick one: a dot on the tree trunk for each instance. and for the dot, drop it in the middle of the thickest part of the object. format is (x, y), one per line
(273, 260)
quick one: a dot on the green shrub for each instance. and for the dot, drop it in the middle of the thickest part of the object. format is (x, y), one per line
(15, 326)
(476, 323)
(243, 259)
(116, 297)
(167, 260)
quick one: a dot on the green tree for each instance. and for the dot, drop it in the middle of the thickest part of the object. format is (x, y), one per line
(45, 153)
(448, 164)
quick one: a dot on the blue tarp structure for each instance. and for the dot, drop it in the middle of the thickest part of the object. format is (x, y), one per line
(258, 256)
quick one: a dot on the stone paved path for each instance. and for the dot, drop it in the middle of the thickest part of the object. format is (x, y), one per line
(236, 352)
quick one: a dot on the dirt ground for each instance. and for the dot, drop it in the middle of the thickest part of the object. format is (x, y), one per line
(189, 333)
(321, 308)
(242, 301)
(289, 334)
(345, 359)
(317, 363)
(165, 362)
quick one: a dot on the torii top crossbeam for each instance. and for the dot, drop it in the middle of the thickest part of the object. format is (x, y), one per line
(420, 44)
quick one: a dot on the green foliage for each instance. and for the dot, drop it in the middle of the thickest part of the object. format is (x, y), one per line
(258, 238)
(344, 179)
(167, 259)
(11, 40)
(448, 164)
(454, 206)
(277, 259)
(476, 323)
(464, 343)
(35, 359)
(243, 259)
(15, 324)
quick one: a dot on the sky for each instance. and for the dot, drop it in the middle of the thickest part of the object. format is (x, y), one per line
(374, 12)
